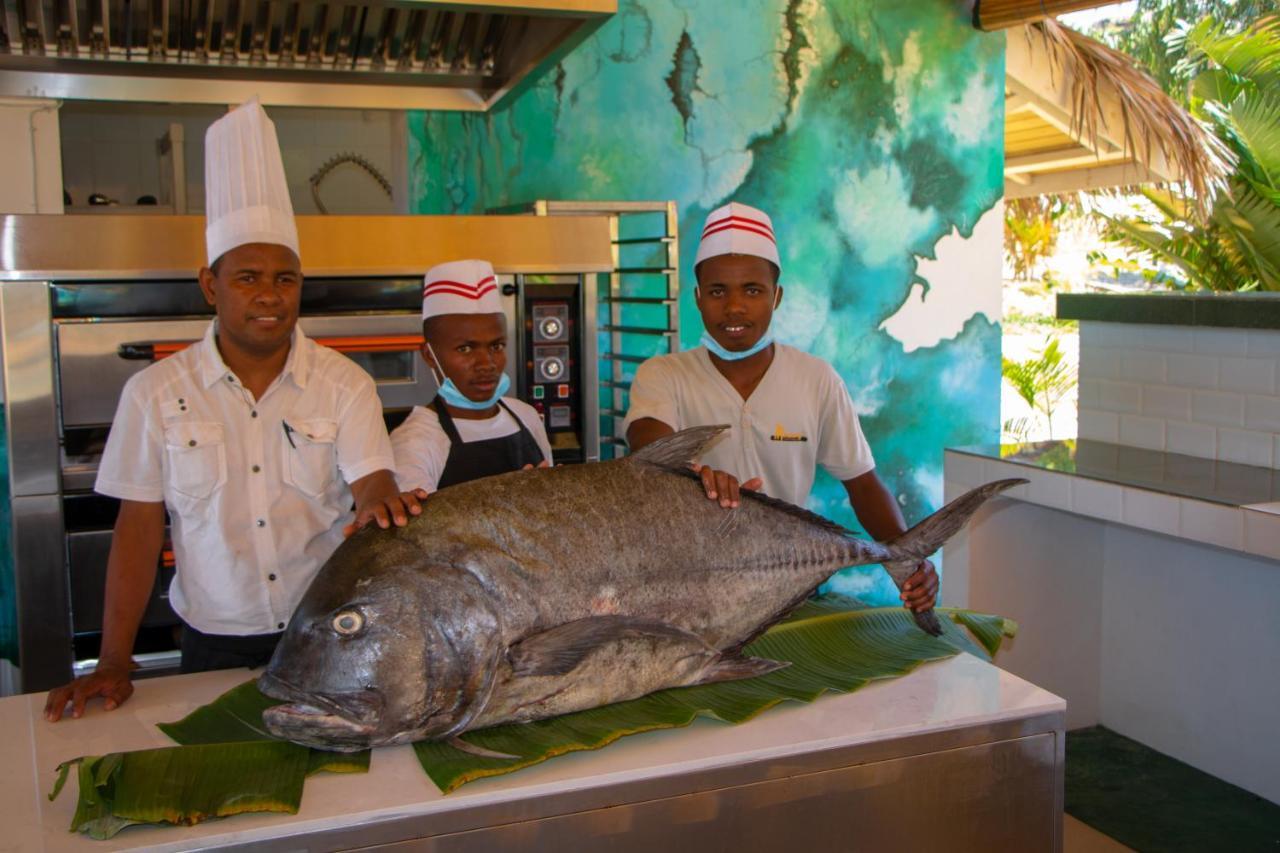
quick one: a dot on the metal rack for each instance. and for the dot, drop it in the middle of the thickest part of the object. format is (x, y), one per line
(630, 299)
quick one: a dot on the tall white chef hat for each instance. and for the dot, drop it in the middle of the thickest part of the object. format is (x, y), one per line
(460, 287)
(737, 229)
(246, 197)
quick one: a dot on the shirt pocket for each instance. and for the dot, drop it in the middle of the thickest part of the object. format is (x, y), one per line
(197, 455)
(311, 458)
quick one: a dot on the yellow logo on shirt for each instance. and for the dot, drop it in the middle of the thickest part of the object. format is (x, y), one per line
(780, 434)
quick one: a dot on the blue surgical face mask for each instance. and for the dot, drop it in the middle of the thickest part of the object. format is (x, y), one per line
(729, 355)
(451, 395)
(714, 347)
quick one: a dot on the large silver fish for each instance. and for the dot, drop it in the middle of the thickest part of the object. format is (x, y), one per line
(538, 593)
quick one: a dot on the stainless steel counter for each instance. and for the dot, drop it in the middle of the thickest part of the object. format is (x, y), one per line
(957, 755)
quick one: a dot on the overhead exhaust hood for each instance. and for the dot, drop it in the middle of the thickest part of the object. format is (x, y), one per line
(373, 54)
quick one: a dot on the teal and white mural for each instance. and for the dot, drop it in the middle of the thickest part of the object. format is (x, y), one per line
(871, 132)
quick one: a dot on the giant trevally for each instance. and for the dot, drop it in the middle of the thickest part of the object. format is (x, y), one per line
(541, 592)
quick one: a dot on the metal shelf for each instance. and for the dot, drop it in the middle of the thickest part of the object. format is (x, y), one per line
(637, 330)
(640, 300)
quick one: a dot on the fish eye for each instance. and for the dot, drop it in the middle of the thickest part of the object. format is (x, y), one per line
(348, 622)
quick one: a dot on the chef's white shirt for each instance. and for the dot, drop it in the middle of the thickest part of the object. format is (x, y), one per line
(421, 446)
(254, 510)
(798, 417)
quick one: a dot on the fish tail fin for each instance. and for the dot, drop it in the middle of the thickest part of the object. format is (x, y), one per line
(679, 449)
(929, 535)
(906, 551)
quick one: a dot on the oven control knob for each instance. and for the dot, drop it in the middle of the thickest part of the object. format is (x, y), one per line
(552, 368)
(550, 328)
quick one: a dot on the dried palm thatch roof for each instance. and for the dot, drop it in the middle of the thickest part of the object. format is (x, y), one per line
(1081, 116)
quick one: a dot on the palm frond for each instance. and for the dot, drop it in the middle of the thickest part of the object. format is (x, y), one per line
(1252, 53)
(1256, 120)
(1152, 120)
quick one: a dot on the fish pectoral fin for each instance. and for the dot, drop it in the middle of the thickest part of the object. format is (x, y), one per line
(735, 667)
(478, 751)
(559, 650)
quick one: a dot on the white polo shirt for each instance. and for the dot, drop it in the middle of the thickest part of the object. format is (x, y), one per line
(798, 417)
(421, 446)
(255, 509)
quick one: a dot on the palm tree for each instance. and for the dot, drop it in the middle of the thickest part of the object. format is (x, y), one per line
(1235, 92)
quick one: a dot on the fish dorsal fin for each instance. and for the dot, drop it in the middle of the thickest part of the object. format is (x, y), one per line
(679, 449)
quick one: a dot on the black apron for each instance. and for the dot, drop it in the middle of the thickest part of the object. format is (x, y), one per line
(476, 459)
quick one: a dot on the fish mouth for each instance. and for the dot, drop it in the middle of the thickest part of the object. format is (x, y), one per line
(336, 721)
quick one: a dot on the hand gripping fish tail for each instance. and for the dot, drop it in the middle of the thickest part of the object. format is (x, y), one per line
(928, 536)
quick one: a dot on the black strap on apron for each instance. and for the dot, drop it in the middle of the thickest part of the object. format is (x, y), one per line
(473, 460)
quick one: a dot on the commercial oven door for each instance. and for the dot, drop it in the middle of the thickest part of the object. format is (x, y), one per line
(96, 358)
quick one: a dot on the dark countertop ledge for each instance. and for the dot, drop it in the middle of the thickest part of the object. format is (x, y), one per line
(1210, 480)
(1221, 310)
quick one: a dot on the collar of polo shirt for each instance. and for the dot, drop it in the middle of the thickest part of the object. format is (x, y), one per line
(213, 368)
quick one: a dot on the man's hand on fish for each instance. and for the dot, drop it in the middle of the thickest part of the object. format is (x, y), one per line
(543, 464)
(723, 486)
(379, 500)
(920, 592)
(110, 682)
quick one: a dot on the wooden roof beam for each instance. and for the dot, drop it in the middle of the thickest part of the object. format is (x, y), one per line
(1103, 177)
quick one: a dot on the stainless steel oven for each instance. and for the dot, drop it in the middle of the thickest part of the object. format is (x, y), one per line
(73, 336)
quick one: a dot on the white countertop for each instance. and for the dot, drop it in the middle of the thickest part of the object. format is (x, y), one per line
(952, 694)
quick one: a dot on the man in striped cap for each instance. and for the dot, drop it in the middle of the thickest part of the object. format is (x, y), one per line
(790, 411)
(471, 429)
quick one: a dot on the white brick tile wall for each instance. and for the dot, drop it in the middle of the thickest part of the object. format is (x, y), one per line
(1143, 366)
(1200, 391)
(1262, 413)
(1163, 402)
(1099, 362)
(1215, 407)
(1250, 375)
(1098, 426)
(1190, 370)
(1262, 533)
(1095, 499)
(1119, 396)
(1205, 522)
(1263, 343)
(963, 469)
(1220, 341)
(1160, 338)
(1191, 439)
(1050, 489)
(1254, 528)
(1087, 393)
(1138, 431)
(1150, 511)
(1247, 447)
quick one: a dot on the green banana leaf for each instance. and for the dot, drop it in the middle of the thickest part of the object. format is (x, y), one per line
(184, 784)
(230, 764)
(833, 644)
(236, 716)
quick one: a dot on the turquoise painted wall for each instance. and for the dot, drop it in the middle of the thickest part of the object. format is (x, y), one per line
(869, 131)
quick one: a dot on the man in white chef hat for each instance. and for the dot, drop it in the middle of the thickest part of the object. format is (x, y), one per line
(471, 429)
(790, 411)
(255, 439)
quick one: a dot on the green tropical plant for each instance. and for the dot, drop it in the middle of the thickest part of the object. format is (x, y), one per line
(229, 763)
(1143, 32)
(1235, 91)
(1042, 382)
(1030, 234)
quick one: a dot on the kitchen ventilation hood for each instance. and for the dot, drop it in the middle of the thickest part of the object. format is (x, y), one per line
(374, 54)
